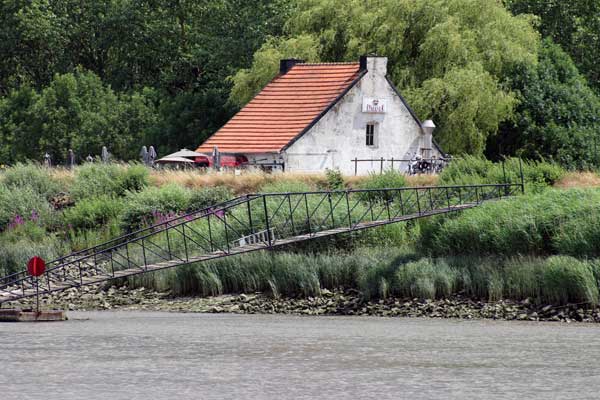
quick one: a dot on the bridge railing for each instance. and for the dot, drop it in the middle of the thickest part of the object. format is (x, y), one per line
(249, 223)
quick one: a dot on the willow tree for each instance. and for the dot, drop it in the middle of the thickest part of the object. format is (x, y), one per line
(450, 57)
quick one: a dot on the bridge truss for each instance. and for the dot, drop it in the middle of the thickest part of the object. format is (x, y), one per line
(245, 224)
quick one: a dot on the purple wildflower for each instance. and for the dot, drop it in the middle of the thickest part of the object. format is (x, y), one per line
(220, 213)
(16, 221)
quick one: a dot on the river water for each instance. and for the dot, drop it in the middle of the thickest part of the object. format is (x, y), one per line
(155, 356)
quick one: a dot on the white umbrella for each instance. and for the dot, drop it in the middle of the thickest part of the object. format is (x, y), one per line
(169, 159)
(185, 153)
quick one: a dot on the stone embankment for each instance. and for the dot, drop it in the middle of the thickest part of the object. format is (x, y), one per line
(349, 302)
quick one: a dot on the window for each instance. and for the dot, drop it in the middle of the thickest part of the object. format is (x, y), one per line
(370, 134)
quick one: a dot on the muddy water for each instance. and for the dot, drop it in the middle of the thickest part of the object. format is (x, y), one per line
(131, 355)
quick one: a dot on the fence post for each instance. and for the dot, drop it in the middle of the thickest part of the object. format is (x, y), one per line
(355, 166)
(392, 160)
(505, 180)
(522, 177)
(348, 207)
(331, 210)
(381, 168)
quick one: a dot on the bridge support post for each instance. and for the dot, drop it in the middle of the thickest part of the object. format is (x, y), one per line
(249, 215)
(267, 221)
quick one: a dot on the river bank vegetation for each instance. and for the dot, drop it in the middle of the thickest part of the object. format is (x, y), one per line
(541, 246)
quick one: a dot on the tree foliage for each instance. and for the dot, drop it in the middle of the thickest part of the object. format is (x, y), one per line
(75, 111)
(175, 53)
(558, 116)
(125, 73)
(574, 24)
(449, 56)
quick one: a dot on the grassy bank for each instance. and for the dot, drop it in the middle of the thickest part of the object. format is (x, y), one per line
(541, 246)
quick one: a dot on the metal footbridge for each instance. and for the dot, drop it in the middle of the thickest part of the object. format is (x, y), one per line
(245, 224)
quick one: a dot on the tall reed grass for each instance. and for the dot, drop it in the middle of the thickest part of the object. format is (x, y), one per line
(553, 222)
(380, 273)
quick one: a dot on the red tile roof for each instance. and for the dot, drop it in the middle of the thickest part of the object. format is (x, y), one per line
(283, 109)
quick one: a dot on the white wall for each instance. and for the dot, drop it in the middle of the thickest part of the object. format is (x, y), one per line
(340, 136)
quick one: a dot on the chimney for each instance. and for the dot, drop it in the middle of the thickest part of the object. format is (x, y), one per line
(428, 128)
(374, 64)
(363, 63)
(286, 65)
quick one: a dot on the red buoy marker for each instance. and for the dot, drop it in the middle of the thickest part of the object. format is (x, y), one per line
(36, 266)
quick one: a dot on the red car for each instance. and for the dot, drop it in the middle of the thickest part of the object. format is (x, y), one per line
(227, 160)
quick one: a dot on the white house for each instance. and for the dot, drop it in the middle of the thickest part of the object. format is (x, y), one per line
(316, 116)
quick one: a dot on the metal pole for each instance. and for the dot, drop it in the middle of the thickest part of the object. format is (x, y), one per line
(187, 257)
(504, 173)
(381, 168)
(522, 177)
(348, 207)
(37, 295)
(355, 166)
(226, 231)
(291, 213)
(250, 217)
(401, 202)
(267, 219)
(430, 199)
(331, 210)
(596, 151)
(392, 160)
(144, 254)
(168, 240)
(210, 239)
(307, 214)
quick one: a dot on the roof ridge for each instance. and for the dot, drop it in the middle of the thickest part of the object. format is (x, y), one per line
(294, 100)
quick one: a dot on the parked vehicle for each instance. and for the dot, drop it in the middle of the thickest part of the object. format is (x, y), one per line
(226, 161)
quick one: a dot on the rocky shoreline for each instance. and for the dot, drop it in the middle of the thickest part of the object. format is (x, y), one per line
(348, 302)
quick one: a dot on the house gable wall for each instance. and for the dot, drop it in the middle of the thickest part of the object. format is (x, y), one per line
(340, 135)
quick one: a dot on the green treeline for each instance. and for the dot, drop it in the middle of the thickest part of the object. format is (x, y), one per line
(517, 77)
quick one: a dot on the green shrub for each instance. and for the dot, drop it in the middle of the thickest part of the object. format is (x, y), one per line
(27, 230)
(141, 208)
(335, 179)
(23, 202)
(92, 213)
(468, 170)
(285, 187)
(388, 180)
(14, 255)
(133, 178)
(92, 180)
(209, 196)
(33, 176)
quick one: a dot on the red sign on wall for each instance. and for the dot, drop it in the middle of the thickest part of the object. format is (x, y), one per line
(36, 266)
